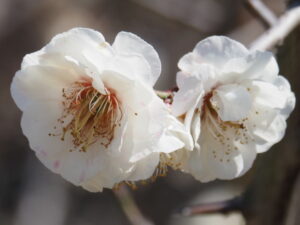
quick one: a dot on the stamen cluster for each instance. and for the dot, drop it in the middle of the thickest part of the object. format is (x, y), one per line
(94, 115)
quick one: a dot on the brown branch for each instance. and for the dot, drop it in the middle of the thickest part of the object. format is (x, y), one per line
(266, 16)
(293, 216)
(279, 31)
(129, 206)
(226, 206)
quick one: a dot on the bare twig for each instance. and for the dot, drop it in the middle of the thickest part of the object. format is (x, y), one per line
(293, 216)
(279, 31)
(267, 17)
(234, 204)
(129, 206)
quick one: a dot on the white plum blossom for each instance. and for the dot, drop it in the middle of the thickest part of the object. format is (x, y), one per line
(89, 110)
(235, 105)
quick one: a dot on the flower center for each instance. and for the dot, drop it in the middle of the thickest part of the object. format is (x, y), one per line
(227, 133)
(210, 112)
(94, 115)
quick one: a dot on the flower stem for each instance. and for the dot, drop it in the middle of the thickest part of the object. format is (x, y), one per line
(226, 206)
(129, 206)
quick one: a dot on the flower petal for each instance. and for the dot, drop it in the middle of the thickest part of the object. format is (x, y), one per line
(232, 102)
(256, 65)
(267, 126)
(226, 159)
(268, 95)
(133, 67)
(129, 44)
(187, 96)
(29, 84)
(77, 40)
(188, 63)
(144, 168)
(284, 87)
(218, 50)
(262, 66)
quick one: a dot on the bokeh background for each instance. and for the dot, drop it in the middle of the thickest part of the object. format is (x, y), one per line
(32, 195)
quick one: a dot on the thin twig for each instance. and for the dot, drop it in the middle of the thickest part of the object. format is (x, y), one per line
(129, 206)
(267, 17)
(293, 217)
(279, 31)
(234, 204)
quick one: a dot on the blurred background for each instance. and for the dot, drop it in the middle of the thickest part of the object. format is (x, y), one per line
(30, 194)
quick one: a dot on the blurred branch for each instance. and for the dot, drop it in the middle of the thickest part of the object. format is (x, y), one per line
(279, 31)
(293, 216)
(258, 8)
(226, 206)
(129, 206)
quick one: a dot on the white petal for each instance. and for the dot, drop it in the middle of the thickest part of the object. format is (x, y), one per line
(195, 128)
(148, 131)
(189, 63)
(107, 178)
(267, 126)
(256, 65)
(133, 67)
(232, 102)
(284, 87)
(177, 129)
(97, 83)
(95, 184)
(262, 65)
(268, 95)
(144, 168)
(129, 44)
(218, 50)
(187, 94)
(32, 59)
(265, 138)
(133, 94)
(174, 137)
(29, 84)
(206, 75)
(77, 40)
(223, 157)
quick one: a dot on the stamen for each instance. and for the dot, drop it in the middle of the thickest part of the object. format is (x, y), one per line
(227, 133)
(95, 115)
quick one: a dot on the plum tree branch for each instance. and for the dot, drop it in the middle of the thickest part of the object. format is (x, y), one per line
(129, 206)
(234, 204)
(257, 7)
(278, 31)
